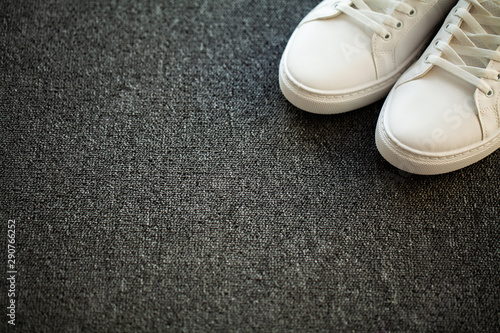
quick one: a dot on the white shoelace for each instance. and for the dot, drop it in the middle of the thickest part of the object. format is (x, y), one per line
(375, 13)
(478, 40)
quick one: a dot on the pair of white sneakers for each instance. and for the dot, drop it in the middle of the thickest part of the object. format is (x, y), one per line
(443, 110)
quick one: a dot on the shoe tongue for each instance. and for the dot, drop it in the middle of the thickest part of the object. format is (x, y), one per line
(381, 6)
(493, 6)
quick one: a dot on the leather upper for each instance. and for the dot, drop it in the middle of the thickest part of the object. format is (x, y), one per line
(331, 52)
(433, 111)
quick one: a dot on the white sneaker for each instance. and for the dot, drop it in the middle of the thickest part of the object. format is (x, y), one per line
(347, 54)
(444, 112)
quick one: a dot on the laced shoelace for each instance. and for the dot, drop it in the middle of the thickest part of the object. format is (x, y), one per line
(373, 14)
(474, 43)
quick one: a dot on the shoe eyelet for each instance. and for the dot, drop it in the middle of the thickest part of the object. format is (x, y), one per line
(399, 25)
(426, 59)
(412, 12)
(490, 93)
(387, 36)
(498, 77)
(436, 43)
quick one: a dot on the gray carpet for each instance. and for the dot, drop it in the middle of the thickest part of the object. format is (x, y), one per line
(160, 182)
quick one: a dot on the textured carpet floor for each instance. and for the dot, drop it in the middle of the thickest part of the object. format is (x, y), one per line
(161, 183)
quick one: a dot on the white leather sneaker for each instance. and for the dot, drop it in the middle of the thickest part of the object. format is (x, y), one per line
(346, 54)
(444, 112)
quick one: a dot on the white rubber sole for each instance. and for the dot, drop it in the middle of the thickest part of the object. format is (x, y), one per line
(424, 163)
(333, 102)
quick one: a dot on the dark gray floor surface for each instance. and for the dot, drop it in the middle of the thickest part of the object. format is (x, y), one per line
(160, 182)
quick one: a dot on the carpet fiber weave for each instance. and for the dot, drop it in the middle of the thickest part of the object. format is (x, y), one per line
(160, 182)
